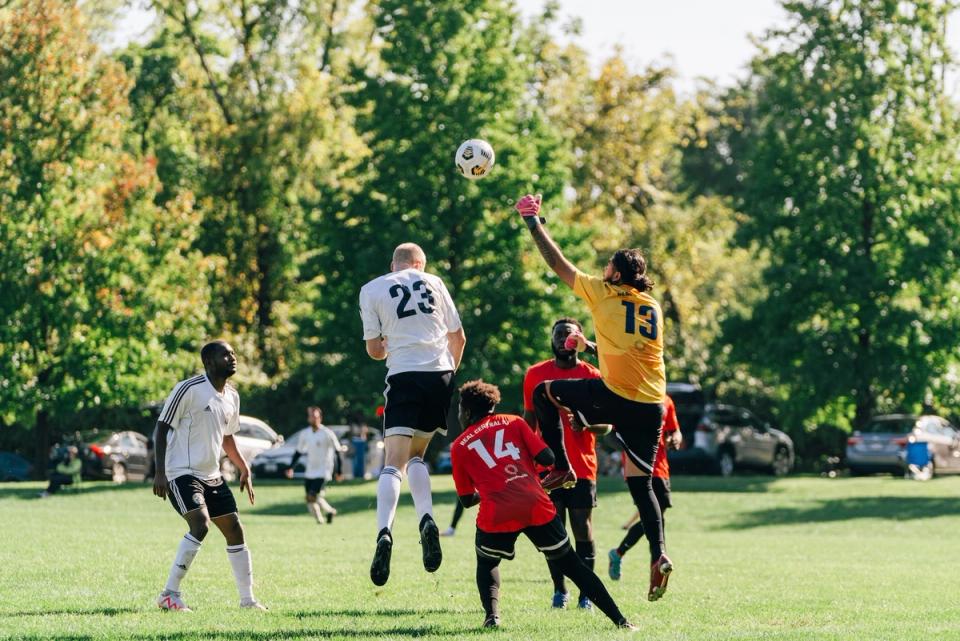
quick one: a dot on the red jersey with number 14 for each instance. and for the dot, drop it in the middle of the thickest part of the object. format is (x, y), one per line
(494, 457)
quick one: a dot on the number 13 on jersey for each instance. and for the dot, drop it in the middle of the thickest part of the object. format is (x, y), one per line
(647, 316)
(500, 450)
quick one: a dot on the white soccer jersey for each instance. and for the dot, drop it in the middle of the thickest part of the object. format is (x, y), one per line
(319, 447)
(414, 311)
(200, 417)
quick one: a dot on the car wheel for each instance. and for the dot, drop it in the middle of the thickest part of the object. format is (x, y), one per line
(781, 462)
(118, 474)
(228, 470)
(726, 463)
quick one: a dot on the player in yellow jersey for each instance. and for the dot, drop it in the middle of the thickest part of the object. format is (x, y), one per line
(629, 395)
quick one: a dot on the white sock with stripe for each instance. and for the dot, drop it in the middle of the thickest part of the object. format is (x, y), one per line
(186, 552)
(242, 566)
(388, 493)
(419, 479)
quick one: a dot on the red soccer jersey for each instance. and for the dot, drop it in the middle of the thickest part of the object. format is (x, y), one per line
(581, 446)
(661, 469)
(495, 458)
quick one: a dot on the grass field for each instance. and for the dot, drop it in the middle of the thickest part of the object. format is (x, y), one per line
(799, 558)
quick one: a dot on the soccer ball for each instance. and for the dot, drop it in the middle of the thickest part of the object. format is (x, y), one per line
(474, 158)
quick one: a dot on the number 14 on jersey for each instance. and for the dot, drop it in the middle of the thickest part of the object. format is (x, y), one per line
(500, 450)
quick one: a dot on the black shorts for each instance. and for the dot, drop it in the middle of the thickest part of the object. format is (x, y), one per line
(661, 489)
(635, 425)
(550, 538)
(188, 493)
(314, 486)
(417, 403)
(582, 496)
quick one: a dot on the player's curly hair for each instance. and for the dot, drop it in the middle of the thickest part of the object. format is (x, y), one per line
(479, 398)
(566, 319)
(633, 268)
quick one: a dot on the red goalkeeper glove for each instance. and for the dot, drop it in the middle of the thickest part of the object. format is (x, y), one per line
(529, 208)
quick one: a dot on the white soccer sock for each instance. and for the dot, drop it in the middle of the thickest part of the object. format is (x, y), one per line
(186, 552)
(388, 493)
(314, 509)
(419, 479)
(326, 507)
(242, 566)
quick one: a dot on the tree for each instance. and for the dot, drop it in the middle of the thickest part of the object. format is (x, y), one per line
(101, 304)
(851, 181)
(442, 71)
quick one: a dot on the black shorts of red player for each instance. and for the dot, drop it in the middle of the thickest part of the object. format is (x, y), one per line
(417, 403)
(188, 493)
(550, 538)
(635, 425)
(582, 496)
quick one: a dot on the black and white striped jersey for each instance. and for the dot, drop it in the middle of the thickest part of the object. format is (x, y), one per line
(200, 417)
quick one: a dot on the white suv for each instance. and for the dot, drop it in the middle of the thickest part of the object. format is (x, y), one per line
(252, 437)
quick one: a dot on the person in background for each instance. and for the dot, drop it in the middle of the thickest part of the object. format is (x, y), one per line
(68, 472)
(359, 433)
(322, 450)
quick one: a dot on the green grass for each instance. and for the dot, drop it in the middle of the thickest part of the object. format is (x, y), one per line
(800, 558)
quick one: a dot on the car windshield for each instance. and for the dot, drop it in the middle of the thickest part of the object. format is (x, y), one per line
(900, 425)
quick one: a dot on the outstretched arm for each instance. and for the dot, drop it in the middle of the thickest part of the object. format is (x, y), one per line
(529, 208)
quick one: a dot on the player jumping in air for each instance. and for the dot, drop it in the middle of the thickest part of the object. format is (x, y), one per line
(199, 418)
(578, 501)
(493, 465)
(410, 320)
(629, 396)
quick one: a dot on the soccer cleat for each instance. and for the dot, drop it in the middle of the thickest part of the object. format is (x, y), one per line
(380, 568)
(613, 569)
(626, 625)
(492, 621)
(560, 600)
(558, 478)
(659, 575)
(253, 604)
(330, 516)
(430, 541)
(583, 603)
(172, 601)
(450, 531)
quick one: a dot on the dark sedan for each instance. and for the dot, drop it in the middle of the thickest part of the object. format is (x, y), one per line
(119, 457)
(14, 467)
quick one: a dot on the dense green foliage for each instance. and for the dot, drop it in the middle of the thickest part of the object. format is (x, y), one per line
(245, 169)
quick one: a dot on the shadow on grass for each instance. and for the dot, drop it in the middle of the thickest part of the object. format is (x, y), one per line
(349, 504)
(109, 612)
(10, 491)
(892, 508)
(745, 483)
(386, 612)
(282, 633)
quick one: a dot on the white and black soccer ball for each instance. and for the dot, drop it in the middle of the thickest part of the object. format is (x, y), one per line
(474, 158)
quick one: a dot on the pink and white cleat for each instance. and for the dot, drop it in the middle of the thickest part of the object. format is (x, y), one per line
(172, 601)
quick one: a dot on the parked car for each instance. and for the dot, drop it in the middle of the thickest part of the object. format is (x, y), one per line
(252, 437)
(118, 456)
(880, 446)
(14, 467)
(275, 462)
(723, 438)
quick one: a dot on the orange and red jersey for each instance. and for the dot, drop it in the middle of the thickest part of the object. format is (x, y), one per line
(581, 446)
(661, 469)
(494, 457)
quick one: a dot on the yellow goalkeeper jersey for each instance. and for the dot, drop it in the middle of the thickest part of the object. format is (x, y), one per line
(629, 327)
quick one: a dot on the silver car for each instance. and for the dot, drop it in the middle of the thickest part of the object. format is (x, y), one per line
(731, 438)
(880, 446)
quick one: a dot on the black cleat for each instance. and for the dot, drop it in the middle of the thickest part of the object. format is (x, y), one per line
(380, 568)
(492, 621)
(430, 541)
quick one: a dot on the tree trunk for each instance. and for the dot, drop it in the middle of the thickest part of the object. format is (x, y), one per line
(41, 432)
